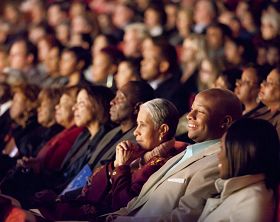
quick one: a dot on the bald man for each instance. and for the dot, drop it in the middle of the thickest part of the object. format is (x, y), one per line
(178, 191)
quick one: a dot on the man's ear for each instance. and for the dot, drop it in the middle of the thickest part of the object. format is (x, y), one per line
(164, 66)
(30, 58)
(164, 129)
(136, 108)
(113, 69)
(227, 121)
(80, 65)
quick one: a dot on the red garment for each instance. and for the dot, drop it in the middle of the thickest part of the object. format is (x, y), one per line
(54, 152)
(101, 196)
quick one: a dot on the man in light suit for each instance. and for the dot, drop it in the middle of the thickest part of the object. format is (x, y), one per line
(178, 191)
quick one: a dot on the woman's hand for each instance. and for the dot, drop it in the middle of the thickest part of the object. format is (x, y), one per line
(29, 163)
(126, 151)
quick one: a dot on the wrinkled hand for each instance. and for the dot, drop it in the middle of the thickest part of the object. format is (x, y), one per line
(126, 151)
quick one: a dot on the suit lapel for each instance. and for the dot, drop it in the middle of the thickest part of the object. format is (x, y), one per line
(103, 143)
(163, 173)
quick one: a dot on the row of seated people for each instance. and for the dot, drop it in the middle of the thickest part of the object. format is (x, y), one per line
(179, 189)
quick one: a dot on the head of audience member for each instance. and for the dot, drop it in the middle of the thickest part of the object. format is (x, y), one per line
(273, 53)
(24, 103)
(52, 61)
(64, 115)
(127, 71)
(239, 51)
(123, 14)
(194, 49)
(208, 73)
(82, 24)
(92, 107)
(161, 61)
(184, 22)
(56, 13)
(125, 105)
(156, 123)
(250, 146)
(270, 26)
(105, 65)
(48, 98)
(227, 79)
(132, 41)
(171, 11)
(102, 41)
(247, 88)
(45, 44)
(22, 54)
(212, 112)
(270, 90)
(215, 35)
(155, 19)
(62, 32)
(77, 8)
(204, 12)
(74, 60)
(38, 31)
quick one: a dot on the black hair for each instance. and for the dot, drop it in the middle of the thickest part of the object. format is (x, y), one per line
(252, 147)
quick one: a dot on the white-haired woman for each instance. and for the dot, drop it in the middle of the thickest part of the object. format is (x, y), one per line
(113, 185)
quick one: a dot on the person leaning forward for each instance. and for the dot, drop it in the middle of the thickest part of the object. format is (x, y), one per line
(179, 189)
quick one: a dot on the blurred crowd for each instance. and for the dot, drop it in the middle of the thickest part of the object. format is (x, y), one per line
(73, 74)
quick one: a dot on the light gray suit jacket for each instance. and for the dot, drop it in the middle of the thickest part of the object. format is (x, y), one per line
(176, 195)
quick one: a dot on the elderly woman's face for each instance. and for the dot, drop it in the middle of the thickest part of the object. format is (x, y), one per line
(147, 136)
(223, 161)
(83, 109)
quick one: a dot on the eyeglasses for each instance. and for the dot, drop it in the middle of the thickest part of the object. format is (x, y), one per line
(266, 83)
(245, 82)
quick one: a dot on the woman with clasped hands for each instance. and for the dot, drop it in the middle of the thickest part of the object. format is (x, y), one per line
(113, 185)
(249, 171)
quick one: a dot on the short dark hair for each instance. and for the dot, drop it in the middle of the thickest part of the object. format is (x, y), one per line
(101, 97)
(30, 48)
(141, 91)
(81, 54)
(252, 147)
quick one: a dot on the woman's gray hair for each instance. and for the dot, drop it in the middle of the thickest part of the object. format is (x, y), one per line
(163, 111)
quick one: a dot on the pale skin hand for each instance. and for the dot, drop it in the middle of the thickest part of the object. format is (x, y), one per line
(125, 153)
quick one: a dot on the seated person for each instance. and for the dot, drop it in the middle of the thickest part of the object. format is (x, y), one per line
(248, 87)
(25, 133)
(113, 185)
(179, 189)
(249, 174)
(27, 176)
(270, 96)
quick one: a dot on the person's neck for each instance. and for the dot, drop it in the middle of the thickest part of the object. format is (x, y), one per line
(127, 125)
(250, 106)
(54, 74)
(93, 128)
(49, 124)
(68, 124)
(74, 79)
(273, 106)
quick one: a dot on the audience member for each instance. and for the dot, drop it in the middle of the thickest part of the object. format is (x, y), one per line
(249, 174)
(179, 189)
